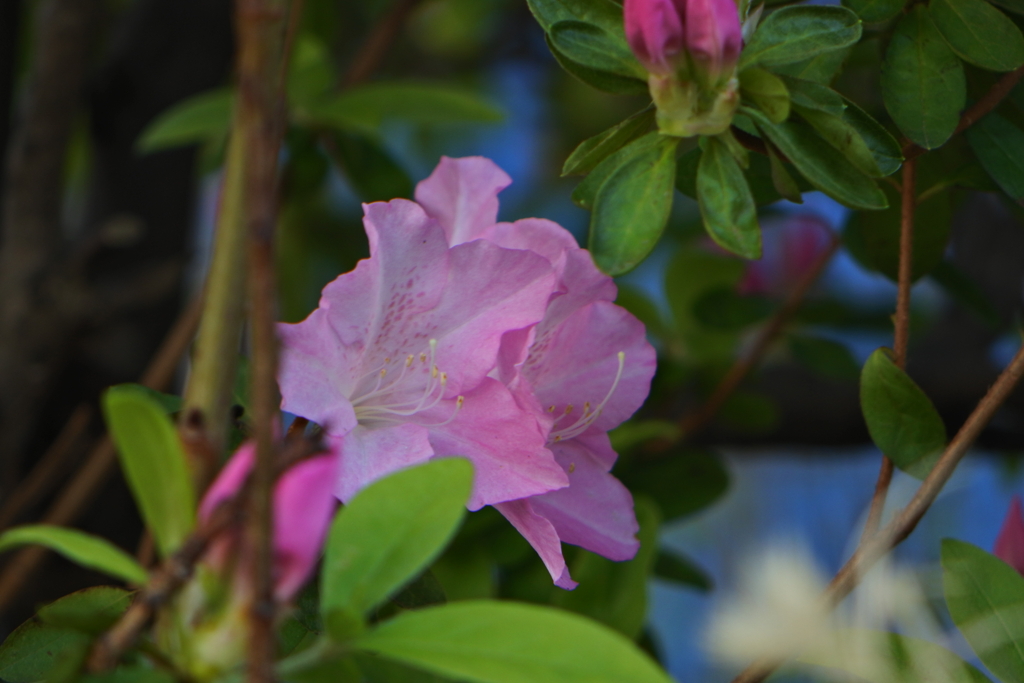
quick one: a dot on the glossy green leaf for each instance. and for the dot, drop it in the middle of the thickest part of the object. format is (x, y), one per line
(603, 13)
(886, 151)
(592, 151)
(875, 11)
(585, 193)
(79, 547)
(504, 642)
(670, 566)
(602, 80)
(822, 165)
(596, 49)
(873, 238)
(821, 68)
(844, 138)
(1015, 6)
(759, 177)
(979, 33)
(371, 170)
(726, 204)
(923, 81)
(793, 34)
(767, 92)
(985, 597)
(632, 206)
(999, 146)
(203, 117)
(154, 464)
(901, 419)
(615, 593)
(90, 610)
(363, 108)
(43, 645)
(389, 532)
(884, 657)
(377, 669)
(814, 96)
(681, 482)
(824, 356)
(782, 181)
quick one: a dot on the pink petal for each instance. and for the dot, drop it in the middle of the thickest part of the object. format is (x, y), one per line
(577, 362)
(366, 455)
(229, 480)
(462, 195)
(654, 30)
(714, 36)
(1010, 543)
(595, 511)
(505, 444)
(542, 536)
(303, 505)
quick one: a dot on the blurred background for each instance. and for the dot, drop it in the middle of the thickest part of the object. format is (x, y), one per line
(108, 208)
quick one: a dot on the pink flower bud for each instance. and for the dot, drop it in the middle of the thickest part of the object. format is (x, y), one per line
(1010, 543)
(303, 504)
(654, 29)
(714, 36)
(792, 245)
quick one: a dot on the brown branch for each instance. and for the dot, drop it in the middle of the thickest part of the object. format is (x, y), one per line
(904, 523)
(378, 43)
(694, 422)
(908, 203)
(989, 101)
(99, 465)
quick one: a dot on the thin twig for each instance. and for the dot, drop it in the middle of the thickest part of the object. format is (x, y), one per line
(904, 523)
(378, 43)
(98, 466)
(989, 101)
(694, 422)
(901, 340)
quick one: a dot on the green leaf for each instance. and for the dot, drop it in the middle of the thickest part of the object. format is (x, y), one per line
(631, 434)
(91, 610)
(886, 151)
(1015, 6)
(154, 464)
(615, 593)
(793, 34)
(365, 107)
(821, 164)
(814, 96)
(999, 146)
(767, 92)
(821, 68)
(782, 181)
(592, 151)
(844, 138)
(985, 597)
(130, 674)
(726, 204)
(632, 206)
(670, 566)
(923, 81)
(58, 637)
(376, 669)
(79, 547)
(201, 118)
(602, 13)
(883, 657)
(371, 170)
(874, 238)
(681, 481)
(169, 402)
(389, 532)
(602, 80)
(640, 305)
(979, 33)
(824, 356)
(875, 11)
(585, 193)
(722, 308)
(901, 419)
(594, 48)
(503, 642)
(690, 274)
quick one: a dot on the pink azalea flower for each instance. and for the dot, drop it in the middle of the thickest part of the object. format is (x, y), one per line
(1010, 542)
(583, 370)
(792, 245)
(714, 36)
(394, 364)
(654, 31)
(303, 505)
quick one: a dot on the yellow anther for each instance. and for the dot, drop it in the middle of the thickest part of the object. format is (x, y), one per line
(551, 409)
(557, 439)
(433, 373)
(387, 359)
(444, 377)
(459, 401)
(408, 361)
(568, 409)
(423, 357)
(572, 465)
(383, 372)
